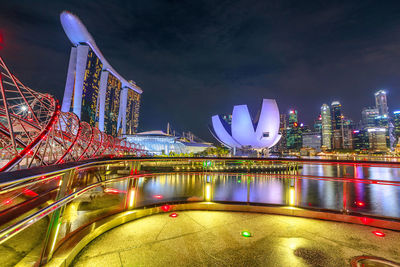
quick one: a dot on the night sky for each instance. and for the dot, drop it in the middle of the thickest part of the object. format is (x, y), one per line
(195, 59)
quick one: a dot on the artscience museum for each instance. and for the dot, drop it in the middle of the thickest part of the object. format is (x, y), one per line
(244, 133)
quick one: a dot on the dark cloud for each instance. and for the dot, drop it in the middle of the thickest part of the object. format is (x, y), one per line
(194, 59)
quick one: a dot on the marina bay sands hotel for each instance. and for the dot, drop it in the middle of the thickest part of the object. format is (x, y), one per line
(94, 91)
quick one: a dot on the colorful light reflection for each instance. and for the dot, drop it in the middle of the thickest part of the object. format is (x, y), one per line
(360, 203)
(208, 192)
(114, 191)
(173, 215)
(291, 196)
(7, 202)
(132, 197)
(29, 193)
(166, 208)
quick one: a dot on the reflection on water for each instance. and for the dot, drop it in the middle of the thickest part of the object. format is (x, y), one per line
(301, 190)
(391, 173)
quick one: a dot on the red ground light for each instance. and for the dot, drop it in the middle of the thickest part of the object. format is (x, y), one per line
(173, 215)
(378, 233)
(158, 196)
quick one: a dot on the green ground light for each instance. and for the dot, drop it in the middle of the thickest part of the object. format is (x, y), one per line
(246, 234)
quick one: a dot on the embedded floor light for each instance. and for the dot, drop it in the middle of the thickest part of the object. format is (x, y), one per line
(246, 234)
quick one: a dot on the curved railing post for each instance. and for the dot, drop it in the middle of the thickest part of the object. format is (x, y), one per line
(56, 217)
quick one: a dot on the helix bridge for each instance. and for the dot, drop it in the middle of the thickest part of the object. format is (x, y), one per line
(35, 132)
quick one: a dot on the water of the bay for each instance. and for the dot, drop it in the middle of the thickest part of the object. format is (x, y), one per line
(363, 189)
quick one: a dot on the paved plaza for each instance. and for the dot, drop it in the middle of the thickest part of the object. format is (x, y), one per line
(208, 238)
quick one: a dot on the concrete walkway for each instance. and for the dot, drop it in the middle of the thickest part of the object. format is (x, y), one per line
(208, 238)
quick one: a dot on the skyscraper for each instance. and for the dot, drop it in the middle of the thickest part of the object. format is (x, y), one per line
(326, 127)
(348, 127)
(293, 134)
(318, 125)
(337, 125)
(360, 140)
(368, 117)
(312, 140)
(381, 103)
(281, 146)
(396, 124)
(293, 121)
(336, 109)
(377, 139)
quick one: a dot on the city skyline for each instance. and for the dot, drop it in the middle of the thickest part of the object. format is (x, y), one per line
(231, 53)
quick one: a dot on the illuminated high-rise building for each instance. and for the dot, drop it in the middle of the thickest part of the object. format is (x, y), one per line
(281, 146)
(293, 132)
(337, 125)
(360, 140)
(368, 117)
(94, 91)
(326, 127)
(396, 124)
(348, 127)
(293, 120)
(318, 124)
(381, 103)
(377, 140)
(132, 112)
(112, 101)
(336, 109)
(312, 140)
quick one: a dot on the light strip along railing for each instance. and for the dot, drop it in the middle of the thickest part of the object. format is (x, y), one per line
(8, 232)
(66, 185)
(28, 204)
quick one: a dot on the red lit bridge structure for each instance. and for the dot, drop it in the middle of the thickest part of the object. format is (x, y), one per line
(35, 132)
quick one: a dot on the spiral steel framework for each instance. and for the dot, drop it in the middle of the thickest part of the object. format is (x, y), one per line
(34, 131)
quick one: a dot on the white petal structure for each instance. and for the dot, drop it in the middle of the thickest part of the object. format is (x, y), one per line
(245, 133)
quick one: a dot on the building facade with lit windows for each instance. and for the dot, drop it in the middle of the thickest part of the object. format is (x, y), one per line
(312, 140)
(326, 128)
(94, 91)
(111, 107)
(377, 140)
(360, 140)
(293, 132)
(381, 102)
(318, 124)
(368, 117)
(281, 146)
(337, 125)
(396, 125)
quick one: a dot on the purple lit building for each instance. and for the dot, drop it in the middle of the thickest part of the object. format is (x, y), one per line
(246, 133)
